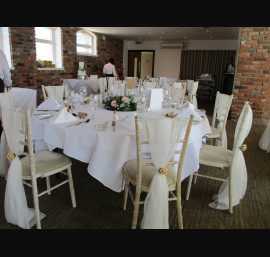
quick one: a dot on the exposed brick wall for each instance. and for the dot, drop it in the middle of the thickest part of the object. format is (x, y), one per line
(252, 82)
(23, 54)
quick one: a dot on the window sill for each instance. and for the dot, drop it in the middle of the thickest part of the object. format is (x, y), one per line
(93, 55)
(51, 68)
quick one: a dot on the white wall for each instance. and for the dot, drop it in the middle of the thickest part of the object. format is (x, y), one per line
(167, 61)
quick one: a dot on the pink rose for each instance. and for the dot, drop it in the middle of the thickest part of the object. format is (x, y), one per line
(125, 99)
(113, 103)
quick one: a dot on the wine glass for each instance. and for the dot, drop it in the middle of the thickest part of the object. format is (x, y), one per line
(83, 93)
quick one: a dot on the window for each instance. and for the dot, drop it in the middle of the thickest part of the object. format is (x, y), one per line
(86, 43)
(5, 43)
(48, 46)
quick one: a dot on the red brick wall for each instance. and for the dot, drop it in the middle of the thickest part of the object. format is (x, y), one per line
(23, 54)
(252, 82)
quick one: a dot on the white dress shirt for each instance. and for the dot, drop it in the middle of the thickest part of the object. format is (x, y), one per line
(109, 69)
(4, 69)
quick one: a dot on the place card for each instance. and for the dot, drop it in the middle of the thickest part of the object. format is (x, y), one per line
(154, 98)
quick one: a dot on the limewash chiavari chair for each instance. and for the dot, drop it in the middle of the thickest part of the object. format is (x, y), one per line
(178, 91)
(57, 92)
(140, 172)
(229, 162)
(42, 164)
(219, 120)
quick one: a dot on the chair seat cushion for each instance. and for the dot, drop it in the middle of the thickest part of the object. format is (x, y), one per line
(215, 156)
(215, 133)
(45, 161)
(130, 168)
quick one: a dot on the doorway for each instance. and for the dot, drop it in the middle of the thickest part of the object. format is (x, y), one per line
(141, 63)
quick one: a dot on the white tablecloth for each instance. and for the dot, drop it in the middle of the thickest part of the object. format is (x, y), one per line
(24, 98)
(75, 84)
(107, 151)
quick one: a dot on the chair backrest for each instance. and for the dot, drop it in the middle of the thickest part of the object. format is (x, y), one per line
(221, 109)
(19, 134)
(111, 81)
(184, 129)
(149, 84)
(178, 92)
(57, 92)
(6, 98)
(189, 85)
(243, 126)
(130, 83)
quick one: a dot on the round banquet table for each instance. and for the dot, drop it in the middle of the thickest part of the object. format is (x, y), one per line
(107, 151)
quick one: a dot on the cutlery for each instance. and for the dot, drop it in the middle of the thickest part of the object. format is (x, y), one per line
(47, 110)
(76, 124)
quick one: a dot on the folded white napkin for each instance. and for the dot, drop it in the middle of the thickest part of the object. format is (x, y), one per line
(187, 109)
(62, 116)
(128, 120)
(49, 104)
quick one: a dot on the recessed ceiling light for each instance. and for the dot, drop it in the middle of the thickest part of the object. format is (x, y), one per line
(162, 32)
(149, 32)
(177, 30)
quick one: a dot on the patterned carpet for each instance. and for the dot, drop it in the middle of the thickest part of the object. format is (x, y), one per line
(100, 208)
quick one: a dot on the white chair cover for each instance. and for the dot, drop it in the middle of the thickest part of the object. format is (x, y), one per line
(5, 99)
(177, 94)
(111, 81)
(221, 112)
(189, 85)
(238, 165)
(162, 135)
(57, 92)
(264, 142)
(149, 84)
(192, 94)
(162, 81)
(102, 84)
(16, 210)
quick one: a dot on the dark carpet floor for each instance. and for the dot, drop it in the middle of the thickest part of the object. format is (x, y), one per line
(100, 208)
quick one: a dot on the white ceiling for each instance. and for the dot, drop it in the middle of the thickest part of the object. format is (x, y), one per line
(168, 33)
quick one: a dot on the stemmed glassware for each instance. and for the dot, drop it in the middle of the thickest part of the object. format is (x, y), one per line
(83, 93)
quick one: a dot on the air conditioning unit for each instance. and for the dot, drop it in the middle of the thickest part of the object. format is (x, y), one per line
(171, 45)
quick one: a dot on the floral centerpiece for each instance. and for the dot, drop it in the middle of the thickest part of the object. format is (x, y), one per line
(120, 103)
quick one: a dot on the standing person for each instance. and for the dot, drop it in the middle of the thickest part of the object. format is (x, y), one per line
(5, 77)
(228, 77)
(109, 70)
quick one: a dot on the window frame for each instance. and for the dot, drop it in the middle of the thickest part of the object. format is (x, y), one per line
(56, 44)
(93, 46)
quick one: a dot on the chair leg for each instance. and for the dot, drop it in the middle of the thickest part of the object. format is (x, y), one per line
(179, 207)
(195, 177)
(48, 184)
(136, 210)
(71, 187)
(36, 203)
(189, 186)
(125, 194)
(230, 196)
